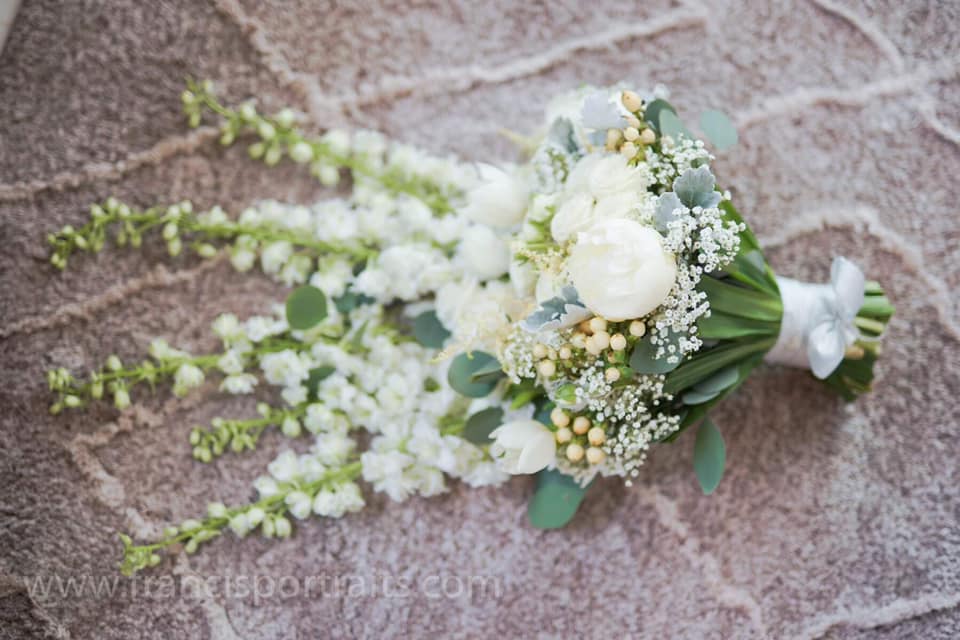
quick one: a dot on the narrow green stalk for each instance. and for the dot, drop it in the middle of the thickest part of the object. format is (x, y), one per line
(179, 221)
(241, 435)
(278, 137)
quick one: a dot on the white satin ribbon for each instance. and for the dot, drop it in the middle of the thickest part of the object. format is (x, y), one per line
(819, 319)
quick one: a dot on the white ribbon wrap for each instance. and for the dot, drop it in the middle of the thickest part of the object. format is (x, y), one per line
(819, 319)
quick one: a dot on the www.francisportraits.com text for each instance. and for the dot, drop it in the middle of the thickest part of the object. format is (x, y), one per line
(262, 588)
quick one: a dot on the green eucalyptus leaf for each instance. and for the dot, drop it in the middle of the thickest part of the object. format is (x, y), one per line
(428, 330)
(671, 125)
(481, 424)
(462, 369)
(555, 500)
(709, 456)
(719, 129)
(306, 307)
(652, 113)
(644, 360)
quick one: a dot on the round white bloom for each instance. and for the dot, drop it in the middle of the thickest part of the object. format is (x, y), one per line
(484, 253)
(523, 446)
(500, 199)
(299, 503)
(611, 175)
(573, 216)
(601, 186)
(187, 377)
(266, 486)
(239, 383)
(275, 255)
(621, 270)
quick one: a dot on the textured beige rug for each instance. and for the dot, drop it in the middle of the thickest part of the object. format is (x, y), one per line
(833, 521)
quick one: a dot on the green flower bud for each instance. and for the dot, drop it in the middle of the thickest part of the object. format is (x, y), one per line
(114, 364)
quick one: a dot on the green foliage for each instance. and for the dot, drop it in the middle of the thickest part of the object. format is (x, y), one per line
(474, 374)
(652, 113)
(709, 456)
(306, 307)
(643, 359)
(479, 426)
(718, 129)
(429, 331)
(555, 500)
(711, 387)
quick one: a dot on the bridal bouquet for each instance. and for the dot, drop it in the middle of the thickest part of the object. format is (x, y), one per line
(447, 320)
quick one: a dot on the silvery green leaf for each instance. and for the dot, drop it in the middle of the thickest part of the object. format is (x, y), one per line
(695, 188)
(709, 456)
(652, 112)
(666, 205)
(562, 136)
(671, 125)
(718, 129)
(599, 113)
(562, 311)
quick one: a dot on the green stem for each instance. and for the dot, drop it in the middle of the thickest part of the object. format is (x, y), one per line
(137, 557)
(437, 197)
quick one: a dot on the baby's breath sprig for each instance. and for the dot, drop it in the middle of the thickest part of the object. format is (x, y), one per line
(325, 155)
(268, 513)
(240, 435)
(180, 222)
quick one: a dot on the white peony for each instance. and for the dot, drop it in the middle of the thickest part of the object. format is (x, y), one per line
(621, 270)
(500, 200)
(484, 253)
(523, 446)
(601, 186)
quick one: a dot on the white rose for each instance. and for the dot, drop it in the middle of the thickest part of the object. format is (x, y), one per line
(621, 270)
(523, 446)
(485, 254)
(500, 200)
